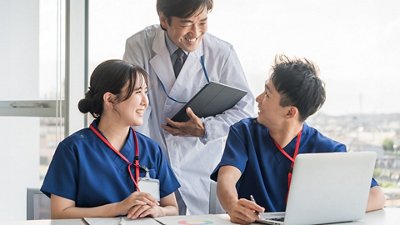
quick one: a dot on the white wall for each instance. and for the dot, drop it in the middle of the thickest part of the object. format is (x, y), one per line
(19, 137)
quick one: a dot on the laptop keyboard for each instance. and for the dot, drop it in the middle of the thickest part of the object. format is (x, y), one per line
(279, 219)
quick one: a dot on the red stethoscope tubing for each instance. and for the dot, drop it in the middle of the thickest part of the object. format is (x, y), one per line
(296, 151)
(136, 160)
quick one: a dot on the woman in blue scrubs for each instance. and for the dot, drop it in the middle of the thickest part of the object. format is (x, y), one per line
(259, 153)
(95, 171)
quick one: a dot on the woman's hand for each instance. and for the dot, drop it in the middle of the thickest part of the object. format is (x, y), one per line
(137, 200)
(166, 207)
(140, 211)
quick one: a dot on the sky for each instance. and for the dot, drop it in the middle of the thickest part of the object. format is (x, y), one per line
(355, 43)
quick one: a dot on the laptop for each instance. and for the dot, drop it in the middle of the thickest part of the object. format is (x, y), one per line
(326, 188)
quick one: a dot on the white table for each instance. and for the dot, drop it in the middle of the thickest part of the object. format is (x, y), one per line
(387, 216)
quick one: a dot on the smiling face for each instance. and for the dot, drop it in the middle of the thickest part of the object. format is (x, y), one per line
(186, 33)
(131, 110)
(269, 109)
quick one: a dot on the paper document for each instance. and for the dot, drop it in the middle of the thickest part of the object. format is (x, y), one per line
(120, 221)
(217, 219)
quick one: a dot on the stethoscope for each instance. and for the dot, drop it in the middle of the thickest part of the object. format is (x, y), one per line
(205, 74)
(136, 159)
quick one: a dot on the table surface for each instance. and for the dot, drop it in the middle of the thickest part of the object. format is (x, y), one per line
(387, 216)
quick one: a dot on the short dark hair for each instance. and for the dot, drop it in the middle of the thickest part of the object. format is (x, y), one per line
(299, 85)
(111, 76)
(182, 8)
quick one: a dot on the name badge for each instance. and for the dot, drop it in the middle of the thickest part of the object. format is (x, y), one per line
(150, 185)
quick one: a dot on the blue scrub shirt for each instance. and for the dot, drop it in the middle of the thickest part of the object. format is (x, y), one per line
(86, 171)
(264, 168)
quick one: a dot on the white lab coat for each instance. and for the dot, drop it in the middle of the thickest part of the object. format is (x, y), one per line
(191, 158)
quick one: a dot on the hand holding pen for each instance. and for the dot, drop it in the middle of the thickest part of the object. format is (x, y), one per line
(244, 211)
(254, 201)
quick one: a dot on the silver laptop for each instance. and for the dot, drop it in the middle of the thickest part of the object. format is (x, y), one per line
(327, 188)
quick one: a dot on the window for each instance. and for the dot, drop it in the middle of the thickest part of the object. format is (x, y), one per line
(41, 52)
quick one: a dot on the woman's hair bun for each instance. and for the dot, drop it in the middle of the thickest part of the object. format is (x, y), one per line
(85, 105)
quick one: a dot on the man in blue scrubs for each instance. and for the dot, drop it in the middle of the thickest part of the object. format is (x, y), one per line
(260, 152)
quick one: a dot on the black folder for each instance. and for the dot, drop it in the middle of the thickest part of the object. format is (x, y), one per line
(213, 99)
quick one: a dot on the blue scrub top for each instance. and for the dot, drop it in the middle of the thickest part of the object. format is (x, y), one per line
(86, 171)
(264, 168)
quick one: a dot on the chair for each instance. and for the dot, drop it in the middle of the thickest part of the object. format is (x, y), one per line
(37, 205)
(214, 204)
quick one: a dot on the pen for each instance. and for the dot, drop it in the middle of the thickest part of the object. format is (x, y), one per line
(253, 200)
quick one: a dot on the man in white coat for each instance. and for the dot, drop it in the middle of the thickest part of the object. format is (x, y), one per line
(194, 147)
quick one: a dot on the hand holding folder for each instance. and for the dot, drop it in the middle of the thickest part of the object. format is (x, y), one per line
(211, 100)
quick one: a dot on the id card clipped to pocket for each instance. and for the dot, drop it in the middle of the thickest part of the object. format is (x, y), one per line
(150, 185)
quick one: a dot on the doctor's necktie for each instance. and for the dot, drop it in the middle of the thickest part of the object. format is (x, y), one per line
(180, 60)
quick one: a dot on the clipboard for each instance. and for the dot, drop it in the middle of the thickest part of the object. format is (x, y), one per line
(213, 99)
